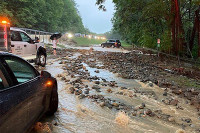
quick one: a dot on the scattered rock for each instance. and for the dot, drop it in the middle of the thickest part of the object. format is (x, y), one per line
(96, 82)
(109, 90)
(71, 89)
(102, 104)
(96, 71)
(81, 96)
(115, 104)
(174, 102)
(78, 92)
(165, 93)
(171, 119)
(187, 120)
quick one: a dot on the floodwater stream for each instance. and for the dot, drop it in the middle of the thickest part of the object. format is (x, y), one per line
(76, 115)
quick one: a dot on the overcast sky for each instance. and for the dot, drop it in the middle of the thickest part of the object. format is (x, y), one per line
(96, 20)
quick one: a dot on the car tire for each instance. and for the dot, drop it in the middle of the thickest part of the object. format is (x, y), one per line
(53, 105)
(102, 46)
(42, 60)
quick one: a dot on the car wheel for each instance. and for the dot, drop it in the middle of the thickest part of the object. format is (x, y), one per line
(53, 105)
(102, 46)
(42, 60)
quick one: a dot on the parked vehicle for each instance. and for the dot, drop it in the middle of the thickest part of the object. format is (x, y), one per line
(111, 43)
(19, 43)
(25, 94)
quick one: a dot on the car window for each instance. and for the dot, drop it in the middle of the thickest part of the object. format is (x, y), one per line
(25, 38)
(21, 69)
(3, 81)
(111, 40)
(15, 36)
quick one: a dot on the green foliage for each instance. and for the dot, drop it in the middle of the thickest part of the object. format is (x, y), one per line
(166, 44)
(48, 15)
(112, 35)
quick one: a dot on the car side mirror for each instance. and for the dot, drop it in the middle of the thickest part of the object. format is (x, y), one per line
(37, 40)
(31, 41)
(45, 74)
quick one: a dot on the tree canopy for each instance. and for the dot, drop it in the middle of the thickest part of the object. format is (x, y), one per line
(47, 15)
(142, 22)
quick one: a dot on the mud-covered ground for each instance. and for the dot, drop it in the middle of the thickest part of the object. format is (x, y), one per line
(108, 91)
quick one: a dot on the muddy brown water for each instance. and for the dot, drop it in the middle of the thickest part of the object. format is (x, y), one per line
(76, 115)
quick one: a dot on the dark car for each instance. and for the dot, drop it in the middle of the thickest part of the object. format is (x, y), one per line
(111, 43)
(25, 94)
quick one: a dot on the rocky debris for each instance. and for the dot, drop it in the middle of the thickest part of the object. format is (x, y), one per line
(81, 96)
(140, 68)
(151, 84)
(148, 112)
(115, 104)
(78, 92)
(109, 91)
(123, 88)
(43, 127)
(170, 101)
(187, 120)
(96, 87)
(102, 104)
(174, 102)
(97, 71)
(171, 119)
(96, 82)
(71, 89)
(142, 106)
(87, 91)
(165, 93)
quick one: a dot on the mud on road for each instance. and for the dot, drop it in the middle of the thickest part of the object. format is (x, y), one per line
(115, 92)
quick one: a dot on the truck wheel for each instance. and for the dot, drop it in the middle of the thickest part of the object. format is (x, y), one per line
(53, 105)
(42, 60)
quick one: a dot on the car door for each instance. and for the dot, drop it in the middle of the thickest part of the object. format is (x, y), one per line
(22, 102)
(30, 48)
(17, 47)
(110, 43)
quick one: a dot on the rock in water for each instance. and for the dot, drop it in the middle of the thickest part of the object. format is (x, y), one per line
(71, 89)
(109, 90)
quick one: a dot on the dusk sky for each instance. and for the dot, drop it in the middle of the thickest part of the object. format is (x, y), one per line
(96, 20)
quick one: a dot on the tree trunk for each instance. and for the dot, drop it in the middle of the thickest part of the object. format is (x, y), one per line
(196, 29)
(198, 24)
(178, 39)
(173, 26)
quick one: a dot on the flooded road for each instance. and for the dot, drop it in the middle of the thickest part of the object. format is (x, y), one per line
(95, 100)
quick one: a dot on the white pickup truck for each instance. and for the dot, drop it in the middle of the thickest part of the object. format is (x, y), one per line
(19, 43)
